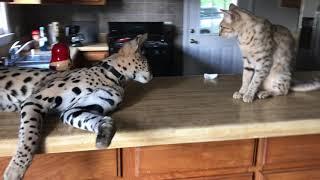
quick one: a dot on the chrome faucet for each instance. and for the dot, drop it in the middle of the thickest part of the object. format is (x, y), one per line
(15, 49)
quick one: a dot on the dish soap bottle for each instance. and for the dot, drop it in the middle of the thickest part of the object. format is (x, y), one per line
(43, 40)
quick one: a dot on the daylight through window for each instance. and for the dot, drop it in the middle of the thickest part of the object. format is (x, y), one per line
(3, 19)
(211, 16)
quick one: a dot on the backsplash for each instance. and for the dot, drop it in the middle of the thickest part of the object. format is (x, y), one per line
(32, 16)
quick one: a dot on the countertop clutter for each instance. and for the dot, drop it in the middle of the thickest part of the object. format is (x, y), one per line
(173, 110)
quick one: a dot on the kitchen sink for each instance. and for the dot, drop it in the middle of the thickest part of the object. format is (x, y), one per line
(39, 60)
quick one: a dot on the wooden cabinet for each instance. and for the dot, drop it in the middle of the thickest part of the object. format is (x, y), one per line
(293, 158)
(75, 165)
(310, 174)
(290, 152)
(283, 158)
(84, 2)
(232, 177)
(88, 58)
(90, 2)
(188, 160)
(95, 55)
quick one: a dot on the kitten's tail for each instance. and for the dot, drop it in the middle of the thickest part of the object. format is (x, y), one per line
(306, 86)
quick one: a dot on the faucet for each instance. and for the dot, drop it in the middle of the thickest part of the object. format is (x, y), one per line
(15, 49)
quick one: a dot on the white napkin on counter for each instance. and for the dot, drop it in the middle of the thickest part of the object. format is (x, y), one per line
(210, 76)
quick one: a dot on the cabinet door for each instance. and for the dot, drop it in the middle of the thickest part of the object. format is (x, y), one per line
(290, 152)
(74, 165)
(312, 174)
(189, 160)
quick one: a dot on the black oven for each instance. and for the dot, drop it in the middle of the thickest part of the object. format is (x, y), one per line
(158, 48)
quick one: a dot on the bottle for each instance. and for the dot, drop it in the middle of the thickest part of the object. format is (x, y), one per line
(53, 33)
(36, 37)
(60, 57)
(43, 40)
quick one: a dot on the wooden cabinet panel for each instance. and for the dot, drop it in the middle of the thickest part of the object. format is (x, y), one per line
(95, 55)
(296, 151)
(189, 160)
(85, 2)
(311, 174)
(90, 2)
(233, 177)
(74, 165)
(56, 1)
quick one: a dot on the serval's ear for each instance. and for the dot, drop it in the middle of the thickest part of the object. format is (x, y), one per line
(133, 45)
(141, 38)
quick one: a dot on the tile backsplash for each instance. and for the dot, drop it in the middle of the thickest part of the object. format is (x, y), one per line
(94, 19)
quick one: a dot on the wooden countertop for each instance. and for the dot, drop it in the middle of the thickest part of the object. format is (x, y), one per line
(94, 47)
(174, 110)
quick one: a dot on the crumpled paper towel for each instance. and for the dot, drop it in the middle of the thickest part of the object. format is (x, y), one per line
(210, 76)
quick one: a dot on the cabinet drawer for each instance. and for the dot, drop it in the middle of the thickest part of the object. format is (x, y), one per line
(313, 174)
(295, 151)
(188, 160)
(87, 165)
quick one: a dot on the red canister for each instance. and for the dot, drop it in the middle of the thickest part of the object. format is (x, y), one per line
(60, 57)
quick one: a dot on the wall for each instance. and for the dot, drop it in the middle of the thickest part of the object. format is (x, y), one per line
(94, 19)
(97, 16)
(271, 10)
(309, 7)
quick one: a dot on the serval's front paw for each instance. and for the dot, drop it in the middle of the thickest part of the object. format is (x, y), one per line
(106, 133)
(248, 98)
(13, 172)
(237, 95)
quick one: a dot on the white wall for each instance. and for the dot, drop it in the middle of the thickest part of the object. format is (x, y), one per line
(309, 7)
(271, 10)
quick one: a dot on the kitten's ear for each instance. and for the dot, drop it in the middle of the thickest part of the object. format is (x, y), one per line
(232, 6)
(230, 16)
(225, 12)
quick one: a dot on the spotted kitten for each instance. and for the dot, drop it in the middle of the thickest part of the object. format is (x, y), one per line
(268, 51)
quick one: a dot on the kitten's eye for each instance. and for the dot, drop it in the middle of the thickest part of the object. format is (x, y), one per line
(226, 28)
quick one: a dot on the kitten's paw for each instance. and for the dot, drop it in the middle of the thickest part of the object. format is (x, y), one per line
(13, 172)
(106, 133)
(264, 94)
(248, 98)
(237, 95)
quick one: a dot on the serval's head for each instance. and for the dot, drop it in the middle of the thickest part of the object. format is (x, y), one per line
(130, 61)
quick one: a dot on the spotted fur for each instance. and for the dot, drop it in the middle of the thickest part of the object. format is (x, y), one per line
(82, 97)
(268, 52)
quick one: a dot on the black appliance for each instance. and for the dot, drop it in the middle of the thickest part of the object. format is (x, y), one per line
(73, 36)
(158, 48)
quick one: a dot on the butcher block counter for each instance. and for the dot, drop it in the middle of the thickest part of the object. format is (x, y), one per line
(186, 127)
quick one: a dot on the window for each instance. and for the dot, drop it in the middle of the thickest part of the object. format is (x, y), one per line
(4, 29)
(211, 16)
